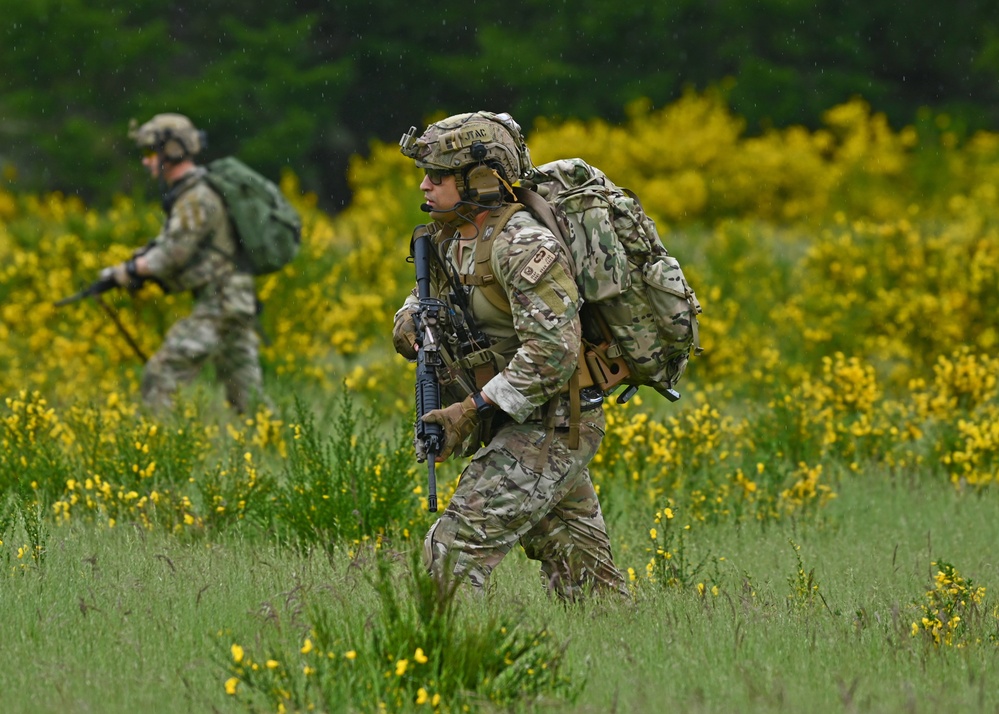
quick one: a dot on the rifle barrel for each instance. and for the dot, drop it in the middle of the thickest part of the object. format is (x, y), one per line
(95, 288)
(73, 298)
(431, 485)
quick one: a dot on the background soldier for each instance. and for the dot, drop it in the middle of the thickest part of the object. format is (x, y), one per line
(195, 251)
(525, 483)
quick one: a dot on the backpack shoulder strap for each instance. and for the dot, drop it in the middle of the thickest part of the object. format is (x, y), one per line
(483, 277)
(545, 212)
(497, 220)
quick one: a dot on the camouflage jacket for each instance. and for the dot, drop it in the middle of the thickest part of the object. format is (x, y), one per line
(196, 246)
(530, 264)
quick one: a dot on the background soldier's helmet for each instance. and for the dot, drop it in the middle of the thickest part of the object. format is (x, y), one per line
(173, 136)
(463, 142)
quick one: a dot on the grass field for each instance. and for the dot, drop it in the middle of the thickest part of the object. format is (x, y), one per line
(123, 620)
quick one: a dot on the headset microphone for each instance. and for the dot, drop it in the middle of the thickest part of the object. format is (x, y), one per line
(427, 208)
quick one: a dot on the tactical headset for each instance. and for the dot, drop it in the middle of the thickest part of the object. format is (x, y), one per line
(173, 147)
(483, 183)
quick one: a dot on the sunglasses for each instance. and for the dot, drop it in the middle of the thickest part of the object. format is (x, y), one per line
(437, 176)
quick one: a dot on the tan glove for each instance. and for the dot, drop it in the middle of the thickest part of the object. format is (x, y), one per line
(123, 274)
(404, 334)
(457, 420)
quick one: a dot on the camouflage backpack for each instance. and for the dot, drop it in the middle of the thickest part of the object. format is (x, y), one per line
(267, 227)
(639, 314)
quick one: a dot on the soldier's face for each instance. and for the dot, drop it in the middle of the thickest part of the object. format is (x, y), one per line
(151, 160)
(440, 197)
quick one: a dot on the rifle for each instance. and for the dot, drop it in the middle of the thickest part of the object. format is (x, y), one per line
(428, 359)
(96, 290)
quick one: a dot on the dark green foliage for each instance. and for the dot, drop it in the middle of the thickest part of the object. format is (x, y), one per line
(307, 84)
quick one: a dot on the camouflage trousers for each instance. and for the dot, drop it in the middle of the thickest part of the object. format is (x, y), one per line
(508, 495)
(212, 332)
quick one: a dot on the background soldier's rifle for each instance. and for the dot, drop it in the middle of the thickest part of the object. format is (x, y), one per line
(96, 290)
(428, 359)
(93, 290)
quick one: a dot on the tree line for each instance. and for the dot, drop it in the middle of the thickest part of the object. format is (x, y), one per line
(306, 84)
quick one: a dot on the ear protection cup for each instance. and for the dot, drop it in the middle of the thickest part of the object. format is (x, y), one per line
(174, 150)
(482, 185)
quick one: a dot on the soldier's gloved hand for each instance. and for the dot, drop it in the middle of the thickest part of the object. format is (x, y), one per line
(458, 421)
(404, 334)
(123, 275)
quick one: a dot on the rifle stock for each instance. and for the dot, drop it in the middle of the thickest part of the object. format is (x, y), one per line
(428, 359)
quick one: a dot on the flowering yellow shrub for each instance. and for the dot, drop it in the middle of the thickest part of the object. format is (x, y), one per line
(947, 611)
(847, 273)
(690, 160)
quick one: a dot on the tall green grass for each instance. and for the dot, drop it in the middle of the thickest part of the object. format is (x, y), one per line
(122, 619)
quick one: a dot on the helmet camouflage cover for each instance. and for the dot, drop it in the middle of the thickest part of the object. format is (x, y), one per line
(468, 139)
(172, 135)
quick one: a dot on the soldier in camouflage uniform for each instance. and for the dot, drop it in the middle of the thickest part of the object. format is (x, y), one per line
(525, 482)
(195, 251)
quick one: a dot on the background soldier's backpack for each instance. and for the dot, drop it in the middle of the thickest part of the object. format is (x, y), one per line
(268, 228)
(639, 314)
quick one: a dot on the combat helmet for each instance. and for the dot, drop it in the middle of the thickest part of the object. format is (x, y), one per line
(486, 153)
(173, 136)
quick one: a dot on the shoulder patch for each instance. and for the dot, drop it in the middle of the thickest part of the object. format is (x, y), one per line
(539, 265)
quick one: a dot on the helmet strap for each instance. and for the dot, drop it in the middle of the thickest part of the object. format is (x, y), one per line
(461, 213)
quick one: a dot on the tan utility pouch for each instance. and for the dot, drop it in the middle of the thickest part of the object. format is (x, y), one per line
(607, 368)
(481, 365)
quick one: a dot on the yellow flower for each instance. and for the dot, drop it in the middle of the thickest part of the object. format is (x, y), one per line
(668, 513)
(422, 696)
(420, 656)
(400, 667)
(653, 534)
(230, 685)
(307, 647)
(237, 653)
(351, 654)
(272, 664)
